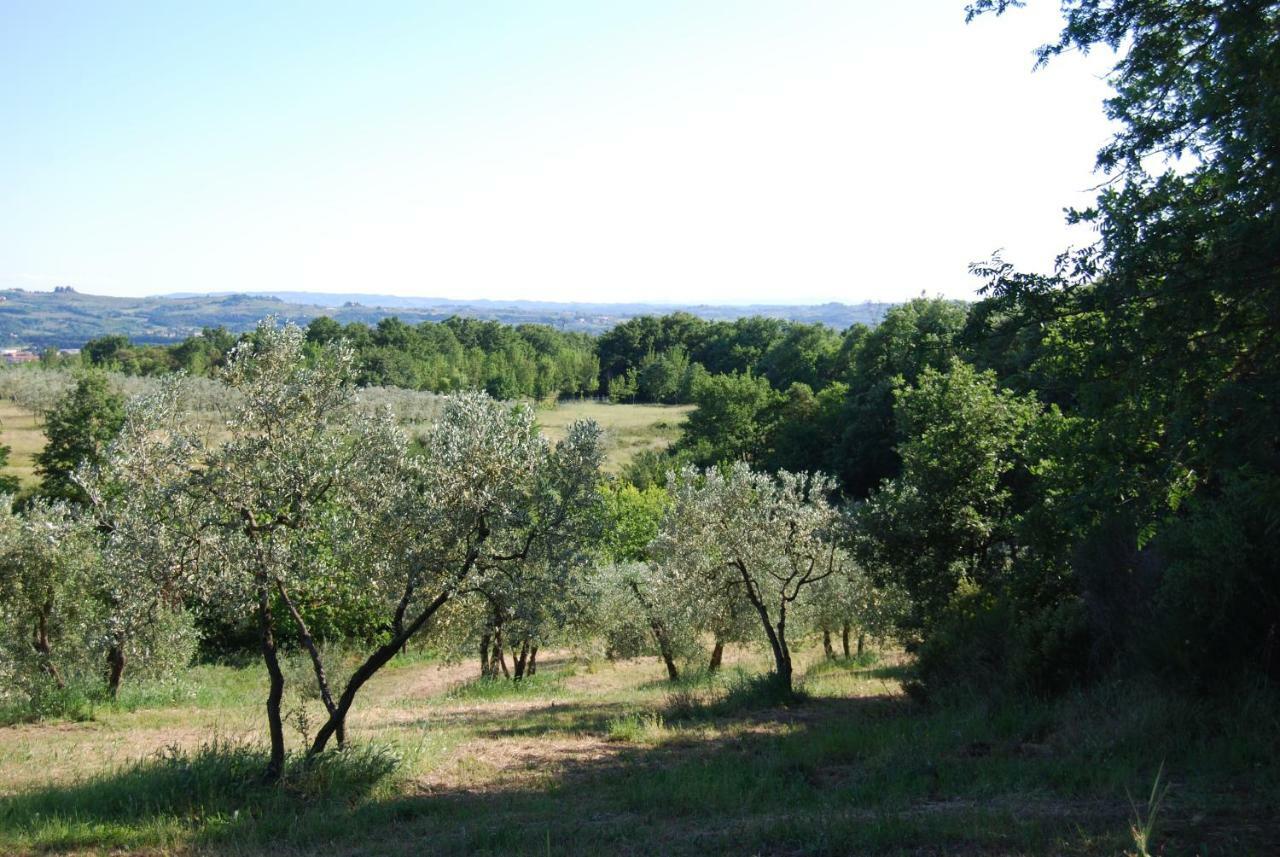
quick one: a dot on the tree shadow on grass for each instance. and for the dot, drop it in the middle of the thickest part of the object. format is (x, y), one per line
(892, 672)
(217, 787)
(841, 775)
(617, 797)
(548, 719)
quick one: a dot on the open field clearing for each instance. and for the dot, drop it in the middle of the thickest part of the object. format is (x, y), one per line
(591, 757)
(628, 428)
(20, 430)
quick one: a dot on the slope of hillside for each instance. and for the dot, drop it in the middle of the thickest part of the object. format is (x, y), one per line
(66, 318)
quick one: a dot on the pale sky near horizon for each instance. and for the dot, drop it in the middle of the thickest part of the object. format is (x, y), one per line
(712, 152)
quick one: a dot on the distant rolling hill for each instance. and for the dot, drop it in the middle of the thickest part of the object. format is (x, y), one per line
(66, 319)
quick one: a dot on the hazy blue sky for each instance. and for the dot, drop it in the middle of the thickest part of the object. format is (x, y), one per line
(734, 151)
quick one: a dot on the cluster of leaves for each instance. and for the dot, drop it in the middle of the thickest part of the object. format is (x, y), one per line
(665, 358)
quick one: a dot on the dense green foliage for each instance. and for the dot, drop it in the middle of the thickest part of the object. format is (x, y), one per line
(1080, 470)
(529, 361)
(649, 358)
(8, 484)
(78, 429)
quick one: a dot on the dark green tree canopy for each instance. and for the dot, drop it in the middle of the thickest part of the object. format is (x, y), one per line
(8, 483)
(78, 429)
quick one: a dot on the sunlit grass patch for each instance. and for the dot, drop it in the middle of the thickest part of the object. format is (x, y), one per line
(628, 428)
(500, 687)
(863, 661)
(638, 728)
(23, 432)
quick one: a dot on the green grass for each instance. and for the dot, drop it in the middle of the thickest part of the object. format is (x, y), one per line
(637, 728)
(478, 689)
(584, 758)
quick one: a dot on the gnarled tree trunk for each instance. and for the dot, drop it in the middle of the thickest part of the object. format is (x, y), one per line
(376, 661)
(522, 660)
(777, 634)
(669, 659)
(275, 723)
(498, 654)
(486, 665)
(659, 634)
(40, 642)
(115, 668)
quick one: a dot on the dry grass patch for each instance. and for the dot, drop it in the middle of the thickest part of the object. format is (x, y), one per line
(23, 432)
(628, 428)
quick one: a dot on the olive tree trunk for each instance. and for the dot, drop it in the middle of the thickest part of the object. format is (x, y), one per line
(275, 723)
(717, 655)
(486, 666)
(115, 668)
(776, 632)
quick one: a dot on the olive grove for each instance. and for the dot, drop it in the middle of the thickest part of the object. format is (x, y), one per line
(314, 525)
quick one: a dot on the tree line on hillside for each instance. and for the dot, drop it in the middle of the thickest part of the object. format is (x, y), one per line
(646, 359)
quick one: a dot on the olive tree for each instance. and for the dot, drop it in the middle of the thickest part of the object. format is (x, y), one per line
(149, 531)
(539, 586)
(47, 613)
(772, 536)
(522, 605)
(633, 612)
(637, 610)
(241, 524)
(309, 488)
(486, 492)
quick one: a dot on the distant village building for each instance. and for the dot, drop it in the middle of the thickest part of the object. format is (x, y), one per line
(18, 355)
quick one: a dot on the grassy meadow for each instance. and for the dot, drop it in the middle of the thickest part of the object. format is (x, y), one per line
(591, 756)
(21, 431)
(628, 428)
